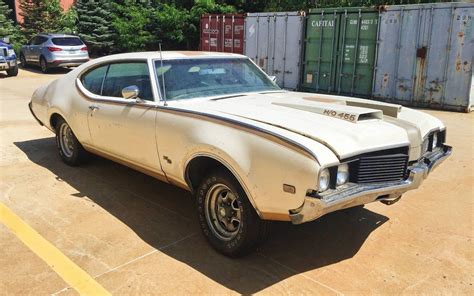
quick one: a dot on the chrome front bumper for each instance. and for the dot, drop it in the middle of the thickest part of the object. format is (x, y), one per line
(352, 195)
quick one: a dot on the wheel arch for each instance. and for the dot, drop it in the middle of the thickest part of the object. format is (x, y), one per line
(199, 164)
(53, 120)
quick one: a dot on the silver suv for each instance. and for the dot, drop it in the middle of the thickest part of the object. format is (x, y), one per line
(54, 50)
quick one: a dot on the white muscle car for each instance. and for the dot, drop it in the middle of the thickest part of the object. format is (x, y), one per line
(250, 152)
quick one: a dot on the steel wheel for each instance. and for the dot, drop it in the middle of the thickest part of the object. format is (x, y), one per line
(66, 140)
(222, 212)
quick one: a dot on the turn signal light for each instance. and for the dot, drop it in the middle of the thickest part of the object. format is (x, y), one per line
(51, 48)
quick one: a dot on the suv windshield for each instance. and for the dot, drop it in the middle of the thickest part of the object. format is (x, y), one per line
(67, 41)
(192, 78)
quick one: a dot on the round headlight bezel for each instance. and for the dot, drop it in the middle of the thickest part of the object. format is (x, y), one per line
(324, 180)
(342, 174)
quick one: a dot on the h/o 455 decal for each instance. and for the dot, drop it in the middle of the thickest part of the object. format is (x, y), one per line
(341, 115)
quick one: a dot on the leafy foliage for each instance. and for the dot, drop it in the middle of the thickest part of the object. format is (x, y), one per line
(8, 28)
(94, 24)
(40, 16)
(68, 21)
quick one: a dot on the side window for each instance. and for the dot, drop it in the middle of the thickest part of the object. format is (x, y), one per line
(32, 41)
(39, 40)
(121, 75)
(92, 80)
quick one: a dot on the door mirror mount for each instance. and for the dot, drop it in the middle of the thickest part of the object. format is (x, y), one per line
(130, 92)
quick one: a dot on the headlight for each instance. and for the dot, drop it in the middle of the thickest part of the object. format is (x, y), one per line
(323, 182)
(342, 174)
(10, 52)
(435, 141)
(425, 146)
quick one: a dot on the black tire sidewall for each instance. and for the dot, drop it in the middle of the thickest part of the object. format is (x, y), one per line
(75, 158)
(247, 236)
(12, 71)
(24, 64)
(45, 70)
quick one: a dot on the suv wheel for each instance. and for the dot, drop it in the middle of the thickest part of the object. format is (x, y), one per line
(43, 65)
(13, 71)
(23, 62)
(227, 218)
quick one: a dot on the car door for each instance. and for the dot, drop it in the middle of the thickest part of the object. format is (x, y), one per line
(123, 128)
(37, 48)
(28, 49)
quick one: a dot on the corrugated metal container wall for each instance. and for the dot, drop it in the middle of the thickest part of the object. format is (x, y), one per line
(340, 49)
(273, 41)
(425, 56)
(222, 33)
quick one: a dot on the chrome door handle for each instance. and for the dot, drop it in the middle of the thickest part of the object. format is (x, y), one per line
(93, 107)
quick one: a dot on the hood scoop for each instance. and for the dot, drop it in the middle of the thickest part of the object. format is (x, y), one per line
(343, 112)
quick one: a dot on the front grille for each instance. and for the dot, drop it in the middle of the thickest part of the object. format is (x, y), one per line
(379, 168)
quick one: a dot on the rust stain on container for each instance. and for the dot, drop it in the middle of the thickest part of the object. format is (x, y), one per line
(458, 62)
(419, 78)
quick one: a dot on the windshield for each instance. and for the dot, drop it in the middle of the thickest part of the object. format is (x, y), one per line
(192, 78)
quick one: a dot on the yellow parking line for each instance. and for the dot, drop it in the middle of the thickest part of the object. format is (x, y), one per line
(62, 265)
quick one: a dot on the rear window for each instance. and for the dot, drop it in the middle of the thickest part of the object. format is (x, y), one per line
(67, 41)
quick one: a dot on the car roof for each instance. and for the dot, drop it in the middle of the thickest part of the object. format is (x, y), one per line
(53, 35)
(170, 55)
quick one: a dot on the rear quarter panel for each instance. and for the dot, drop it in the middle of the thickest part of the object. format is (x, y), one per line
(62, 97)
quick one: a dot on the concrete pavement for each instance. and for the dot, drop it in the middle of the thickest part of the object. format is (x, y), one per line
(135, 235)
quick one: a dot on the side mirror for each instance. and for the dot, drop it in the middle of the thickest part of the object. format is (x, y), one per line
(130, 92)
(273, 79)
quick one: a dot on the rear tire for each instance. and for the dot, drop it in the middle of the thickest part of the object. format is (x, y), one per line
(44, 65)
(71, 151)
(227, 218)
(13, 71)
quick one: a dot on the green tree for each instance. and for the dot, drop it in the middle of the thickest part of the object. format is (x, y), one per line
(170, 26)
(8, 28)
(68, 21)
(40, 16)
(94, 25)
(131, 22)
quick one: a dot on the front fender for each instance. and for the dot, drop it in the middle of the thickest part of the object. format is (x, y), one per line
(261, 164)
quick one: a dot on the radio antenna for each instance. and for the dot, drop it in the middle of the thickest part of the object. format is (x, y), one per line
(162, 75)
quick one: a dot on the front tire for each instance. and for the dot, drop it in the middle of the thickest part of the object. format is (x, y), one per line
(71, 151)
(13, 71)
(23, 62)
(227, 218)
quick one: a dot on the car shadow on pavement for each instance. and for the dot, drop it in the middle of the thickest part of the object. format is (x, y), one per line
(146, 206)
(52, 71)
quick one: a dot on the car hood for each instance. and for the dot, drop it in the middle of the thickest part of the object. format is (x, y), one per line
(2, 44)
(347, 126)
